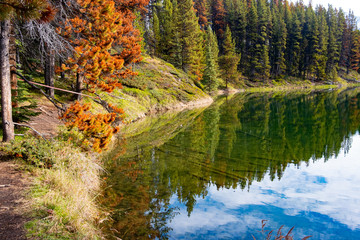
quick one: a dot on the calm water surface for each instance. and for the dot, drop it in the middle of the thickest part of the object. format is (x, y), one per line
(290, 158)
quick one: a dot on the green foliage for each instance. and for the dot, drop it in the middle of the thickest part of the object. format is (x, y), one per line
(278, 44)
(229, 61)
(236, 18)
(34, 151)
(211, 72)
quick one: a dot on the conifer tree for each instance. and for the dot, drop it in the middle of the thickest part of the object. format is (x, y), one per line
(278, 42)
(175, 42)
(218, 19)
(157, 34)
(264, 18)
(349, 27)
(211, 72)
(311, 43)
(355, 51)
(333, 50)
(229, 60)
(322, 46)
(294, 40)
(168, 34)
(202, 12)
(252, 60)
(191, 40)
(236, 18)
(105, 43)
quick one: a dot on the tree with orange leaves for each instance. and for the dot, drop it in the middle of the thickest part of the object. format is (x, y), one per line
(105, 45)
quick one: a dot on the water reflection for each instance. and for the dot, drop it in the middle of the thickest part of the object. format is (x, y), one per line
(244, 159)
(321, 199)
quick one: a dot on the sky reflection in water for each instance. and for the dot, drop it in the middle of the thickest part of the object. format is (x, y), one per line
(321, 199)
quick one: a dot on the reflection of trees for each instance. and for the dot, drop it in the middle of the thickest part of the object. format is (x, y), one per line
(232, 143)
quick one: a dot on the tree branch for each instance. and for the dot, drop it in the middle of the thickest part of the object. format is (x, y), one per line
(53, 100)
(38, 133)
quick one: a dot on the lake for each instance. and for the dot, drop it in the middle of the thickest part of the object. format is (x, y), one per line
(290, 158)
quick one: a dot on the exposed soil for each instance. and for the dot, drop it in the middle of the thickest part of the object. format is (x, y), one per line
(13, 185)
(14, 182)
(48, 121)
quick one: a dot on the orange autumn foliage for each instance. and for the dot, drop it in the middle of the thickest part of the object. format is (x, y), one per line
(96, 128)
(104, 40)
(105, 43)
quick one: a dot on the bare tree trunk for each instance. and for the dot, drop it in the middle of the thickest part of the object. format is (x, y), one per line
(12, 59)
(79, 85)
(62, 74)
(49, 71)
(6, 108)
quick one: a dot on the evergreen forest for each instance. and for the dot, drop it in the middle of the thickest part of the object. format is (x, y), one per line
(229, 40)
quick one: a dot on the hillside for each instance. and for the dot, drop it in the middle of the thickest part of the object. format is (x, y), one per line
(158, 86)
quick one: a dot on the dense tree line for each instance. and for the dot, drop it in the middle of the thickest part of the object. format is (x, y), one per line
(272, 38)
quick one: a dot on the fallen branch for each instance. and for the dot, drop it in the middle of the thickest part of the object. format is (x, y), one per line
(51, 99)
(38, 133)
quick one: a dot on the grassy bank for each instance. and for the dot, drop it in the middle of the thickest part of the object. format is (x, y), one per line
(158, 86)
(65, 186)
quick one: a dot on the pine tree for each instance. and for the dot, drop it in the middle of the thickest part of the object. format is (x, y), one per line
(202, 12)
(211, 72)
(264, 19)
(333, 53)
(252, 59)
(236, 18)
(218, 19)
(191, 40)
(175, 50)
(229, 60)
(99, 62)
(323, 44)
(355, 51)
(294, 40)
(310, 43)
(278, 42)
(349, 27)
(157, 34)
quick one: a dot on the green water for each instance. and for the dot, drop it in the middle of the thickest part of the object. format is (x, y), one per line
(215, 173)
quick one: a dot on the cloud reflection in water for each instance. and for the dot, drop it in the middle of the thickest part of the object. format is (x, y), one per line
(321, 199)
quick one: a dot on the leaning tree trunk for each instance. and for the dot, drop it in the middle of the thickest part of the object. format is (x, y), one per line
(49, 71)
(6, 108)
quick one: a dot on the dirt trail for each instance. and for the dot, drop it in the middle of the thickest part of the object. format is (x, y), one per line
(13, 185)
(48, 121)
(14, 182)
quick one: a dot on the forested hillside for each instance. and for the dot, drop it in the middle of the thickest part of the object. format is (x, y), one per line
(266, 39)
